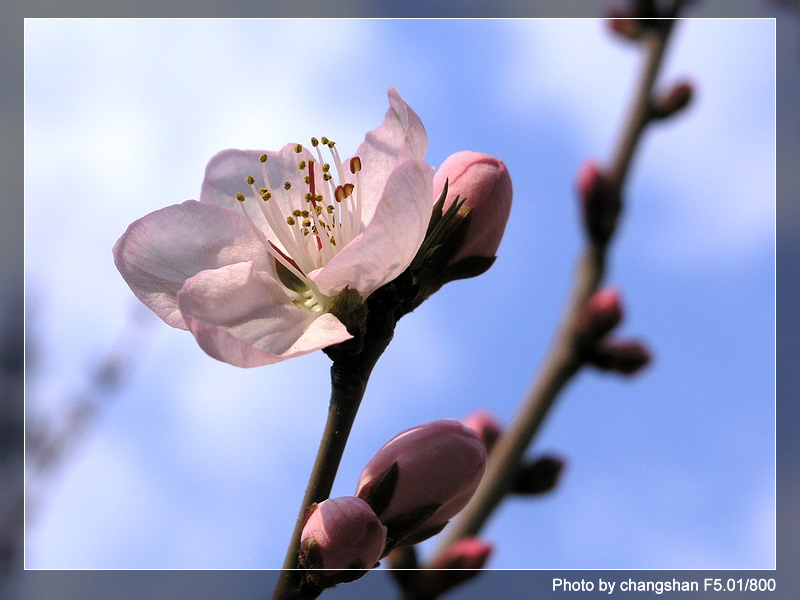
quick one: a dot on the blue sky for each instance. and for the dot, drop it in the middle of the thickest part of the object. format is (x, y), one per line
(197, 464)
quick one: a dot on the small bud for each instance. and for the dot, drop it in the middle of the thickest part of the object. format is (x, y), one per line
(539, 476)
(486, 426)
(484, 184)
(459, 563)
(600, 202)
(624, 26)
(673, 101)
(340, 534)
(422, 477)
(623, 357)
(466, 553)
(601, 314)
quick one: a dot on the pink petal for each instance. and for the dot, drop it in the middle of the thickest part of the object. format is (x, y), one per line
(241, 316)
(400, 137)
(227, 171)
(160, 251)
(391, 239)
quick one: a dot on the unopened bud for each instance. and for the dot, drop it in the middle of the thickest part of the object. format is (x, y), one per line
(459, 563)
(601, 314)
(340, 534)
(422, 477)
(623, 357)
(486, 426)
(466, 553)
(600, 202)
(673, 101)
(624, 26)
(484, 184)
(539, 476)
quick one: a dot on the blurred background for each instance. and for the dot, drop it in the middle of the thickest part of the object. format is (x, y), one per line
(170, 459)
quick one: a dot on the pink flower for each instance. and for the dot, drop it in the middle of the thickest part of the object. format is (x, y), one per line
(252, 270)
(485, 183)
(422, 477)
(341, 533)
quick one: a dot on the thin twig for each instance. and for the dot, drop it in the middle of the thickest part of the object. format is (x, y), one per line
(349, 379)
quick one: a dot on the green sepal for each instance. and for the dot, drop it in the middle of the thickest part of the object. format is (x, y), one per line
(402, 526)
(378, 492)
(349, 307)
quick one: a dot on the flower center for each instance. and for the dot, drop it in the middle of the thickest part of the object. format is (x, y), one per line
(323, 217)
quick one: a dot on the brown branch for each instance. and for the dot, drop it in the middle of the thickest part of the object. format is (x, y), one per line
(564, 360)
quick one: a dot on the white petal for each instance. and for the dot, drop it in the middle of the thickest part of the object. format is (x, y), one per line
(160, 251)
(400, 137)
(390, 241)
(243, 317)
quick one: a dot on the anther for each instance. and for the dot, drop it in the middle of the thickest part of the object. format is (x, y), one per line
(289, 221)
(297, 212)
(355, 164)
(339, 193)
(266, 196)
(331, 143)
(240, 197)
(251, 180)
(327, 176)
(287, 185)
(324, 140)
(326, 167)
(307, 179)
(314, 142)
(298, 148)
(263, 158)
(301, 165)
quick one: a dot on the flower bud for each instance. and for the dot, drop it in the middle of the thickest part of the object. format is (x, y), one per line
(600, 202)
(459, 563)
(484, 184)
(673, 101)
(623, 357)
(486, 426)
(340, 534)
(422, 477)
(466, 553)
(601, 314)
(539, 476)
(620, 23)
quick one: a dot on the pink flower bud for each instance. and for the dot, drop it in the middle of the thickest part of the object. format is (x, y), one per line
(601, 314)
(466, 553)
(600, 201)
(459, 563)
(422, 477)
(484, 181)
(341, 533)
(485, 425)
